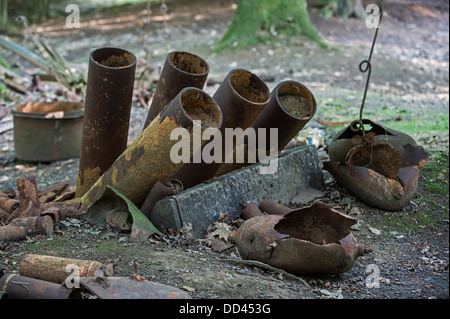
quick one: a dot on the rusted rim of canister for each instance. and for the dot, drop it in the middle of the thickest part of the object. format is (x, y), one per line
(296, 88)
(202, 63)
(102, 54)
(259, 85)
(49, 110)
(210, 106)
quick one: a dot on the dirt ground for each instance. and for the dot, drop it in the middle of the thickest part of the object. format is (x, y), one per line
(410, 71)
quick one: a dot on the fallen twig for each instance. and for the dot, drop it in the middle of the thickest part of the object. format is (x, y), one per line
(265, 266)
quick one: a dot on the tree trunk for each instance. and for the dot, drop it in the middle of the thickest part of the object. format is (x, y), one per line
(262, 20)
(4, 15)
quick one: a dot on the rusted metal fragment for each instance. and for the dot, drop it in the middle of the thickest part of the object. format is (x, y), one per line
(273, 208)
(29, 205)
(160, 190)
(251, 210)
(311, 240)
(380, 157)
(241, 96)
(126, 288)
(35, 225)
(12, 233)
(47, 131)
(7, 204)
(148, 158)
(66, 209)
(342, 142)
(56, 269)
(180, 70)
(414, 156)
(3, 216)
(21, 287)
(109, 94)
(374, 188)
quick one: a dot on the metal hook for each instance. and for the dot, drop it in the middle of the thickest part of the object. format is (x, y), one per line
(366, 66)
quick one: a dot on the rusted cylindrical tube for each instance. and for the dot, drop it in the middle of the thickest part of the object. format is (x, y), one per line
(273, 208)
(242, 96)
(35, 225)
(7, 204)
(20, 287)
(109, 93)
(160, 190)
(12, 233)
(149, 158)
(251, 210)
(291, 107)
(56, 269)
(180, 70)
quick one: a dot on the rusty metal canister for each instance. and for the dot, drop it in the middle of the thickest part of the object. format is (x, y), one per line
(109, 95)
(20, 287)
(47, 131)
(242, 96)
(291, 107)
(180, 70)
(55, 269)
(7, 204)
(148, 158)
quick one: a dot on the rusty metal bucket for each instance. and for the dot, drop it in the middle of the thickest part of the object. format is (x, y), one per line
(47, 131)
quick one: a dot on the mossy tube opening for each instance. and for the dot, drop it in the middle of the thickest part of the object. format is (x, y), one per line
(148, 158)
(109, 94)
(241, 96)
(180, 70)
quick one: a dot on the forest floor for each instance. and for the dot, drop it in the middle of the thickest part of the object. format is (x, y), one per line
(408, 91)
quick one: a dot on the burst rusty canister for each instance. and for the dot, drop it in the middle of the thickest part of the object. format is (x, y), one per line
(150, 157)
(180, 70)
(160, 190)
(29, 204)
(109, 94)
(242, 96)
(56, 269)
(20, 287)
(35, 225)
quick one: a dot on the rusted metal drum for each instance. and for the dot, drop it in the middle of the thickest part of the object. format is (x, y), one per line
(47, 131)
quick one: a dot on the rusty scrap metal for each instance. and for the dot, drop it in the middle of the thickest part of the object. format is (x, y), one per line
(291, 107)
(7, 204)
(180, 70)
(241, 96)
(47, 131)
(34, 225)
(3, 216)
(55, 269)
(374, 188)
(109, 94)
(310, 240)
(126, 288)
(29, 204)
(21, 287)
(160, 190)
(12, 233)
(147, 159)
(251, 210)
(273, 208)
